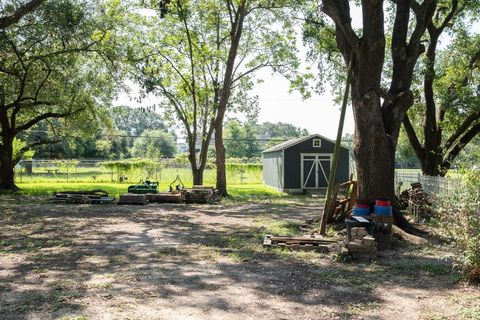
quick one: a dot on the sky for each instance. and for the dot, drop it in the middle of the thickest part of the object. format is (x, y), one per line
(318, 114)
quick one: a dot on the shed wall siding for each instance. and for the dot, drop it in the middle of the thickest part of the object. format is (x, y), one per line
(293, 161)
(273, 169)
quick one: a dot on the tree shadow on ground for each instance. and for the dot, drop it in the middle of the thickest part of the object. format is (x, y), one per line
(61, 259)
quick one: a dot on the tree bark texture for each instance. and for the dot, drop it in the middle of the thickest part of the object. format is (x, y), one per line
(377, 122)
(235, 36)
(7, 176)
(197, 176)
(30, 6)
(221, 183)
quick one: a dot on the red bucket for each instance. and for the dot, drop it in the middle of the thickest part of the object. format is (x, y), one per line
(361, 205)
(382, 203)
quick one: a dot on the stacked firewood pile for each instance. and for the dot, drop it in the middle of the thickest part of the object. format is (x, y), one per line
(419, 202)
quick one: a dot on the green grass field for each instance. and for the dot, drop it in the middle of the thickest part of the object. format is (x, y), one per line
(244, 183)
(241, 185)
(102, 175)
(238, 192)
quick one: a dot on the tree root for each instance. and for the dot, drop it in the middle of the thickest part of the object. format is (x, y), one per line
(408, 237)
(401, 222)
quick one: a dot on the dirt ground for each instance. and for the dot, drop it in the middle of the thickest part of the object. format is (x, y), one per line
(206, 262)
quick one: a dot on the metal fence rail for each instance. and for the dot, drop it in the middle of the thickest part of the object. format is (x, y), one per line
(94, 170)
(435, 186)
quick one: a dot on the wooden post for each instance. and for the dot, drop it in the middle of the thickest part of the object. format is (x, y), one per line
(333, 168)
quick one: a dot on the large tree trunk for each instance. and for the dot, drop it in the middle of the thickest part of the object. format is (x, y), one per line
(376, 134)
(7, 180)
(374, 152)
(432, 164)
(373, 148)
(236, 34)
(197, 176)
(197, 171)
(221, 184)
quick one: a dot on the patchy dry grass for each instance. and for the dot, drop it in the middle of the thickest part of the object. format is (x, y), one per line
(207, 262)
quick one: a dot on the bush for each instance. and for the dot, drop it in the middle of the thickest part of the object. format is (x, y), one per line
(459, 217)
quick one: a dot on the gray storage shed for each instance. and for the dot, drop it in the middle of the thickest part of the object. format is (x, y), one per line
(303, 163)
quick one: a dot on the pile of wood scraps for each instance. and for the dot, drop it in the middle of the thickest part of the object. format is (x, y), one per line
(299, 243)
(165, 197)
(199, 194)
(339, 205)
(419, 202)
(132, 198)
(82, 197)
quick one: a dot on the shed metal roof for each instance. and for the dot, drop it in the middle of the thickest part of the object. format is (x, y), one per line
(292, 142)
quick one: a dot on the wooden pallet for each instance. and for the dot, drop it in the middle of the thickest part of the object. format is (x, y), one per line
(131, 198)
(82, 197)
(166, 197)
(201, 196)
(298, 243)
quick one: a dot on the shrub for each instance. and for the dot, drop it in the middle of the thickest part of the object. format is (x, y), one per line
(459, 218)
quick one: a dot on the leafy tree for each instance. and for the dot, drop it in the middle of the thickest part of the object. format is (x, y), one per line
(469, 158)
(21, 151)
(280, 130)
(155, 145)
(381, 93)
(450, 102)
(50, 69)
(241, 140)
(405, 156)
(99, 141)
(115, 146)
(135, 121)
(201, 59)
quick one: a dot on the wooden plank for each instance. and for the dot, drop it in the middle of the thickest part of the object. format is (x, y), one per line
(297, 246)
(280, 238)
(299, 239)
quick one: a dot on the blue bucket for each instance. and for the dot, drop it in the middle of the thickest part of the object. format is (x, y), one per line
(383, 211)
(360, 211)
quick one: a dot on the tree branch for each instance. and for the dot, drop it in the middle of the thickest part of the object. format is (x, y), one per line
(460, 145)
(31, 6)
(412, 137)
(462, 129)
(45, 116)
(33, 145)
(339, 12)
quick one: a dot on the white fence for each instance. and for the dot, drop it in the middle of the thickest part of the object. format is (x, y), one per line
(433, 185)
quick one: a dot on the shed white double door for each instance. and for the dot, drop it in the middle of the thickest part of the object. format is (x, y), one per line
(315, 170)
